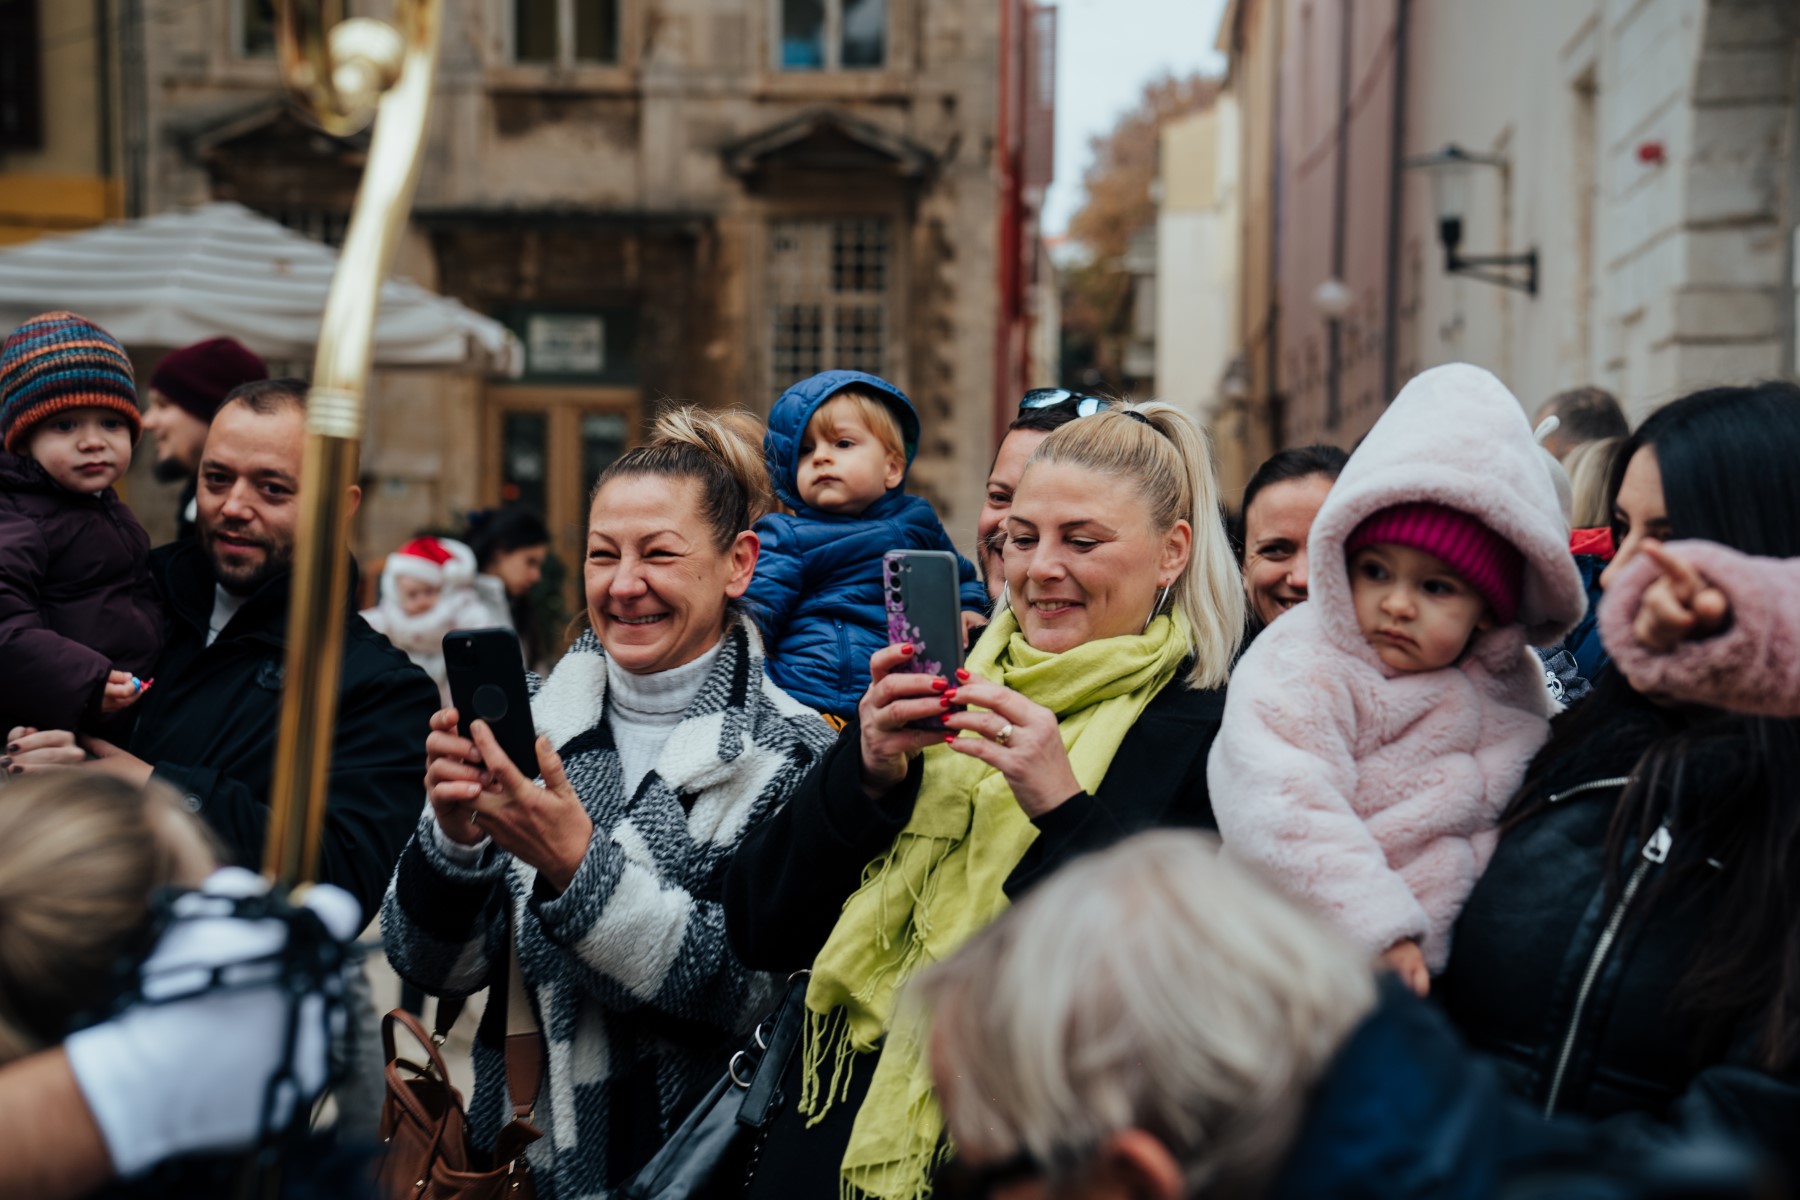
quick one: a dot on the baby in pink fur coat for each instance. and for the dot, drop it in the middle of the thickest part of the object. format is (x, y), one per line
(1373, 735)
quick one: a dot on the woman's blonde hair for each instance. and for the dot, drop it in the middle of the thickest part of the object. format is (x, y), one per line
(1166, 457)
(751, 430)
(1157, 986)
(1590, 467)
(717, 451)
(80, 856)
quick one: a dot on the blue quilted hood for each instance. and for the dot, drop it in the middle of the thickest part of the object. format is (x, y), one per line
(794, 411)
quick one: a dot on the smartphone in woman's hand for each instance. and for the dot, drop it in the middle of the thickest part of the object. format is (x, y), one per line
(924, 607)
(487, 681)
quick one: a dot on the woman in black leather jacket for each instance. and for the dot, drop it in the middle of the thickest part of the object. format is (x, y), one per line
(1631, 953)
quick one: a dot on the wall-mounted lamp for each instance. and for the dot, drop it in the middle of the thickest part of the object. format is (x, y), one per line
(1234, 386)
(1450, 169)
(1334, 299)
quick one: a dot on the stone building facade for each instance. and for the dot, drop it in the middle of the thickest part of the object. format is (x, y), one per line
(666, 199)
(1648, 151)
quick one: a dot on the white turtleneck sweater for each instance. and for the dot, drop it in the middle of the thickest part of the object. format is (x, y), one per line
(642, 709)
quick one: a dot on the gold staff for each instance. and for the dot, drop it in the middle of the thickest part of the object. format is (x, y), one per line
(344, 73)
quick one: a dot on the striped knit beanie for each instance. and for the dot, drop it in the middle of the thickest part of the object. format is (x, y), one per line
(56, 362)
(1493, 566)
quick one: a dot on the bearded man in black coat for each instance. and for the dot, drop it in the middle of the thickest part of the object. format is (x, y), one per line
(207, 728)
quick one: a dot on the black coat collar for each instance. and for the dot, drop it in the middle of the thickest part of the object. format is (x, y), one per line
(184, 574)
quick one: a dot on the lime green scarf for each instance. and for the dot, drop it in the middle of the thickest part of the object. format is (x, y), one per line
(940, 883)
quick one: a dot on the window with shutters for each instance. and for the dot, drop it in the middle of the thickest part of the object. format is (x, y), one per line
(829, 297)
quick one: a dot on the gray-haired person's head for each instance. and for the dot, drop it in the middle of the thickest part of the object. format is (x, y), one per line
(1155, 988)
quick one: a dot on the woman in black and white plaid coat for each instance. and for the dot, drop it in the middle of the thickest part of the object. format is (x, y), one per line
(661, 744)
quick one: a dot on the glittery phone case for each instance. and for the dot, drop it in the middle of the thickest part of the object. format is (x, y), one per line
(924, 607)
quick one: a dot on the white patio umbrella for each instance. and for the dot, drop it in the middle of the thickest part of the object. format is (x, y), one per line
(220, 269)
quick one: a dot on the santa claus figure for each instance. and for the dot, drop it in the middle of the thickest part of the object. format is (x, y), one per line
(428, 590)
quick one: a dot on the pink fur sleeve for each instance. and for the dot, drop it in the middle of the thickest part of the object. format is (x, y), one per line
(1753, 666)
(1282, 773)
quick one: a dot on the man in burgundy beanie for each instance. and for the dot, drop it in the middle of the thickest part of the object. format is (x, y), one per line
(186, 389)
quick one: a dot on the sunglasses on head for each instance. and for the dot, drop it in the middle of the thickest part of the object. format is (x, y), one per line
(1085, 406)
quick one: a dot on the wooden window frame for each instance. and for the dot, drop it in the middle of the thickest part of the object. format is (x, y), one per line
(834, 42)
(892, 80)
(238, 30)
(25, 40)
(504, 74)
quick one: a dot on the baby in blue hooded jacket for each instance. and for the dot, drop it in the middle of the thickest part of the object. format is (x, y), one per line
(839, 446)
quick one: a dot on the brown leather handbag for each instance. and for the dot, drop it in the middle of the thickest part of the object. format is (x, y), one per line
(427, 1155)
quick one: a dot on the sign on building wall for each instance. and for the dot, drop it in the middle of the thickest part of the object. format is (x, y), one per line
(565, 344)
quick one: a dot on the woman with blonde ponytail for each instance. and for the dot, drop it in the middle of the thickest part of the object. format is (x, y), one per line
(1085, 714)
(662, 745)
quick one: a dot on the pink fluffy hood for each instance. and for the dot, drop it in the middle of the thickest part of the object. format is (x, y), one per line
(1454, 436)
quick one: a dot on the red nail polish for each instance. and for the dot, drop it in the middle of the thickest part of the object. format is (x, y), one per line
(962, 674)
(906, 648)
(949, 695)
(949, 739)
(943, 701)
(938, 685)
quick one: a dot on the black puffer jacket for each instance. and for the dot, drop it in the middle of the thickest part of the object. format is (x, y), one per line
(1573, 985)
(208, 727)
(75, 599)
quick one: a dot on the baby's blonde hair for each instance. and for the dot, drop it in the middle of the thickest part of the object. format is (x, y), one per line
(80, 856)
(875, 416)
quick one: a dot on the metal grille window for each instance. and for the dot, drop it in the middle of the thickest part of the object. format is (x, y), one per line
(828, 294)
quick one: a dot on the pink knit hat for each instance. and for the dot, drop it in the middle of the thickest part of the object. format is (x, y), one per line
(1492, 565)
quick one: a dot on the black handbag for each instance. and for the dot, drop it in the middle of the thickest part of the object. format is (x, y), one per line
(712, 1154)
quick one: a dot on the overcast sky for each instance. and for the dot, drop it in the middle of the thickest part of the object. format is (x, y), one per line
(1106, 51)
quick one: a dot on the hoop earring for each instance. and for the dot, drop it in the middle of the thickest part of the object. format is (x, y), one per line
(1157, 608)
(1005, 601)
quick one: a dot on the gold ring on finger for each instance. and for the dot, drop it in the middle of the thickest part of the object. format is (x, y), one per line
(1004, 737)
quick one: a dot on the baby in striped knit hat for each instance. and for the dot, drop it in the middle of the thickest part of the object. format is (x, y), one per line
(80, 626)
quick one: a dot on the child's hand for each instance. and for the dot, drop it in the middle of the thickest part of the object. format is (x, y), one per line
(1406, 960)
(122, 691)
(971, 622)
(1680, 606)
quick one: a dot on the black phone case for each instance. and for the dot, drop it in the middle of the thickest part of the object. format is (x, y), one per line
(487, 680)
(924, 607)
